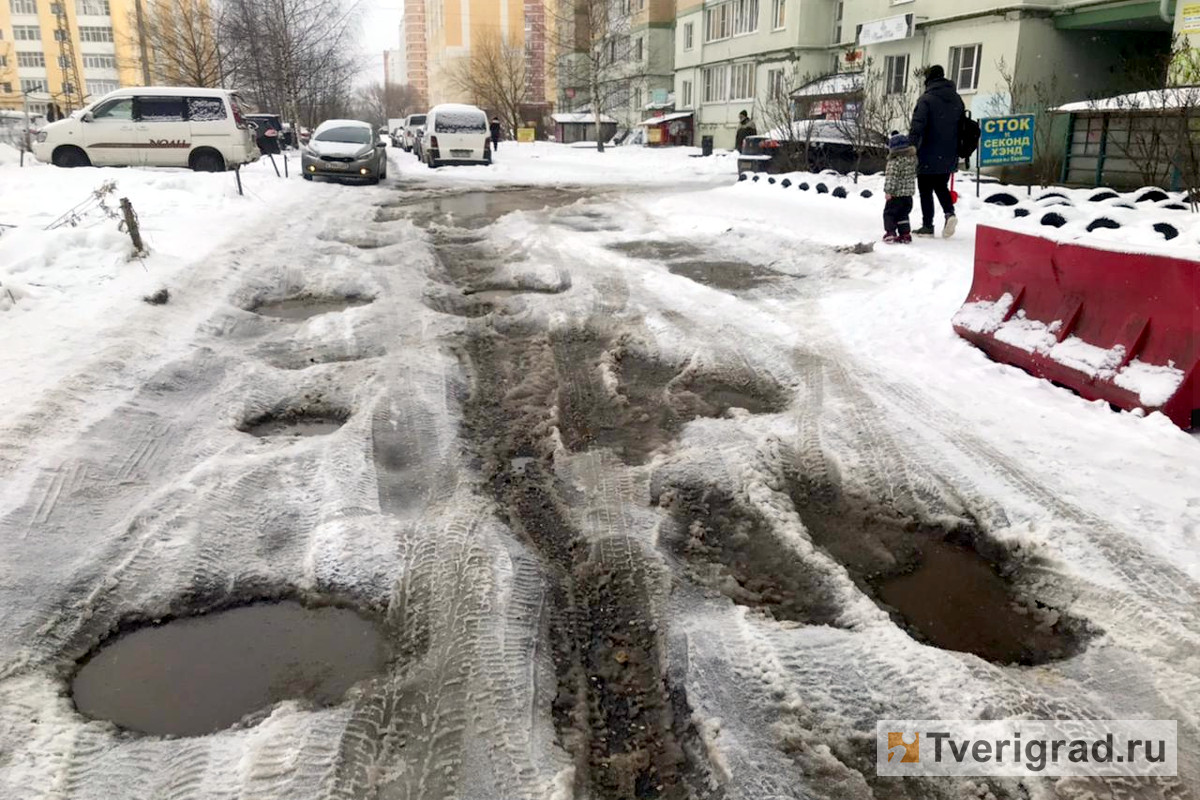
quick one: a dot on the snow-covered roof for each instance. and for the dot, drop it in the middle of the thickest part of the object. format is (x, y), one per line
(821, 130)
(455, 108)
(581, 117)
(666, 118)
(1169, 99)
(840, 83)
(343, 123)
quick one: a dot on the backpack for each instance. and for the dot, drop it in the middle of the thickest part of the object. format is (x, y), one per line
(968, 135)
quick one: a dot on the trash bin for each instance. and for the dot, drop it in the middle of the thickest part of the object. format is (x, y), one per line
(706, 145)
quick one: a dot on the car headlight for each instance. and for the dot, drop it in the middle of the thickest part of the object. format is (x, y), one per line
(41, 136)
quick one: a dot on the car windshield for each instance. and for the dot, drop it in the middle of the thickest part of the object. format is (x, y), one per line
(420, 120)
(348, 134)
(460, 122)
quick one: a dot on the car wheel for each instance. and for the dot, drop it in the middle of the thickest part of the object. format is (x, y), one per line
(208, 161)
(70, 157)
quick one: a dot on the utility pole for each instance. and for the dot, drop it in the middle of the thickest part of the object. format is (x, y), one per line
(145, 51)
(72, 84)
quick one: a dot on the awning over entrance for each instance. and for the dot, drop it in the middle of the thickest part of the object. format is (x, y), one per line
(1119, 15)
(666, 118)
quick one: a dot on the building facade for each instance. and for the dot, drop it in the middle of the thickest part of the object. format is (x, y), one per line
(732, 55)
(65, 52)
(416, 46)
(395, 64)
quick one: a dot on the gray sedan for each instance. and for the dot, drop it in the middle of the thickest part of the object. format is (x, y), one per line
(345, 149)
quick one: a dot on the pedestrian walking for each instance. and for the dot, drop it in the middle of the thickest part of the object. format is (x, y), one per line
(495, 134)
(745, 128)
(934, 132)
(899, 186)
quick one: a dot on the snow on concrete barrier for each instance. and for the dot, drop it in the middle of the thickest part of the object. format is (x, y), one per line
(1118, 327)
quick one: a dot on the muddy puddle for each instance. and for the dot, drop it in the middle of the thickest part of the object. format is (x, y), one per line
(294, 425)
(478, 209)
(651, 250)
(733, 276)
(193, 676)
(298, 308)
(935, 583)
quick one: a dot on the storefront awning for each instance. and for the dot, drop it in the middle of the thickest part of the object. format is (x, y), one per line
(666, 118)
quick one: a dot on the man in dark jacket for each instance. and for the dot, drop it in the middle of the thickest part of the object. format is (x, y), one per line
(745, 128)
(934, 132)
(495, 133)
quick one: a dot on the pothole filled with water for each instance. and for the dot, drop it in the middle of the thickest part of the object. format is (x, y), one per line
(936, 584)
(295, 424)
(296, 308)
(653, 250)
(193, 676)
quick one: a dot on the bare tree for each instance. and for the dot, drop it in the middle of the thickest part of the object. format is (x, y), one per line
(598, 56)
(880, 106)
(496, 75)
(1037, 96)
(292, 56)
(782, 117)
(379, 102)
(180, 38)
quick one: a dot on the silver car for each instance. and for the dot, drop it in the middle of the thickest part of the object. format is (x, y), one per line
(347, 149)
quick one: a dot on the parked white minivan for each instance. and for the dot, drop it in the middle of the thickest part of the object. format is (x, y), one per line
(153, 126)
(456, 134)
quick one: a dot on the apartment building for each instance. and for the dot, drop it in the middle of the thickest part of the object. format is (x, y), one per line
(395, 63)
(416, 46)
(732, 54)
(65, 52)
(454, 26)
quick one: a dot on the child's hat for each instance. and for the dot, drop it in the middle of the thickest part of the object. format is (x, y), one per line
(897, 141)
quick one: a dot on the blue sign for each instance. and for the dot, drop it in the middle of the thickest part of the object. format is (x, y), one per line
(1006, 140)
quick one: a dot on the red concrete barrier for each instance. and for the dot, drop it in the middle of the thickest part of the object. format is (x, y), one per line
(1119, 327)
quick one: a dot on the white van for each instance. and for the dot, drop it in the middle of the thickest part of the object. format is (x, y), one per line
(156, 126)
(456, 134)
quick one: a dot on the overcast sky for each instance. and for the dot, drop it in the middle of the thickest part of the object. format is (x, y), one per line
(381, 31)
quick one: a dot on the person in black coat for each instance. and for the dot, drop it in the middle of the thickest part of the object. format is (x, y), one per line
(934, 132)
(745, 129)
(495, 133)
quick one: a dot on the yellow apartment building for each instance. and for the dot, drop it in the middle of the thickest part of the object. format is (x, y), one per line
(100, 54)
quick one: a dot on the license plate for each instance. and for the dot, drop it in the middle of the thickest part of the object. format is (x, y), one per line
(460, 153)
(336, 165)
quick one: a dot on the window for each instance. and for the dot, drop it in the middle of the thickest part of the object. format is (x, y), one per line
(119, 109)
(775, 83)
(91, 8)
(686, 91)
(895, 74)
(716, 84)
(7, 87)
(63, 62)
(637, 99)
(206, 109)
(718, 22)
(838, 14)
(745, 17)
(3, 61)
(33, 85)
(23, 6)
(639, 51)
(964, 67)
(160, 109)
(27, 33)
(779, 14)
(31, 60)
(741, 85)
(99, 62)
(689, 38)
(95, 33)
(101, 88)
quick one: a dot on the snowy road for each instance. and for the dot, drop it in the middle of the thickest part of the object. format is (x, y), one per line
(658, 490)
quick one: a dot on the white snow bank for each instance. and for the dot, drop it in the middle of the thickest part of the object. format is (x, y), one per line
(1152, 383)
(984, 316)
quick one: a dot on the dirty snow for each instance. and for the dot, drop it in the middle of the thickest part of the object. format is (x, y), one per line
(129, 492)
